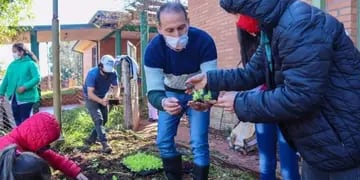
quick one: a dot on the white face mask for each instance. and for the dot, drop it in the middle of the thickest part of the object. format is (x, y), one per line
(177, 43)
(16, 56)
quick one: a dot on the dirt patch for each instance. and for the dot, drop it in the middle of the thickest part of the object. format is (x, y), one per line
(100, 166)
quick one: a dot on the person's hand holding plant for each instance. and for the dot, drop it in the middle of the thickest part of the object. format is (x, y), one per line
(201, 101)
(226, 101)
(196, 82)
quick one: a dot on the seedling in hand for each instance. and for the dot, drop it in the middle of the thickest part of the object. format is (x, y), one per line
(201, 101)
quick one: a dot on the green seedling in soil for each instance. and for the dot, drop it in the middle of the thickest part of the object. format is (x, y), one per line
(102, 171)
(95, 163)
(207, 97)
(200, 96)
(142, 162)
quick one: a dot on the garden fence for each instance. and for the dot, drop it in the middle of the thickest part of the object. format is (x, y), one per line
(7, 122)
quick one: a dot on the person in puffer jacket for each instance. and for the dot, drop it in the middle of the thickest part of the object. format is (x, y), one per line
(269, 138)
(312, 71)
(35, 135)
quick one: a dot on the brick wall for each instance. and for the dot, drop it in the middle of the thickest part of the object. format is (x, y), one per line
(108, 47)
(87, 61)
(346, 12)
(46, 83)
(208, 16)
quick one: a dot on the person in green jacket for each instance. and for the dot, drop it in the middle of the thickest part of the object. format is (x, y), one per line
(20, 83)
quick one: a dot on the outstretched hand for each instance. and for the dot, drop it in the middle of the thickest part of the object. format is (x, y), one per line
(195, 83)
(226, 101)
(201, 106)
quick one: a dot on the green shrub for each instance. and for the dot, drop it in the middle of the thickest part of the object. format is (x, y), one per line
(50, 94)
(142, 162)
(77, 125)
(116, 117)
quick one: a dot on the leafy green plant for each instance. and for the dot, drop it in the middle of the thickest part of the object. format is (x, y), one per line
(142, 162)
(200, 96)
(102, 171)
(207, 97)
(50, 94)
(77, 125)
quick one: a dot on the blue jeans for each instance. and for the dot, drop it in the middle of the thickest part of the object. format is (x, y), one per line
(199, 123)
(310, 173)
(99, 115)
(267, 135)
(20, 111)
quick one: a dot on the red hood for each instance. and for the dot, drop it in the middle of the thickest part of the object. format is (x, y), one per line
(37, 132)
(248, 24)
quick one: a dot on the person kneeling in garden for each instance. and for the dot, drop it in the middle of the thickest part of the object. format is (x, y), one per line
(98, 82)
(25, 152)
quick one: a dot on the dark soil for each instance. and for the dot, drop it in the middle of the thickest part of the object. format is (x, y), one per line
(98, 166)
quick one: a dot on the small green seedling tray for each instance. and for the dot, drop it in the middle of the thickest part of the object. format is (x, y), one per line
(142, 164)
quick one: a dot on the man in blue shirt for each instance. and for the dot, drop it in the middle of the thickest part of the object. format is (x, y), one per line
(179, 52)
(98, 82)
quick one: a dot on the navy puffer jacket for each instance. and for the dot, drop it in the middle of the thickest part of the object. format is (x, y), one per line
(316, 78)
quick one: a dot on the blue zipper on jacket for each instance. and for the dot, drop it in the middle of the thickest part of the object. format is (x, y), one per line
(264, 40)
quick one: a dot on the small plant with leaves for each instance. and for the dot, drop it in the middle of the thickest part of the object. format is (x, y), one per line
(200, 96)
(141, 163)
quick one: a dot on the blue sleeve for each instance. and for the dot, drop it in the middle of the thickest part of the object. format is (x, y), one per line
(90, 80)
(305, 68)
(153, 57)
(208, 55)
(251, 76)
(153, 68)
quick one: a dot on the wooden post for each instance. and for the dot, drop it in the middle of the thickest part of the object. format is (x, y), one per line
(56, 61)
(125, 73)
(135, 104)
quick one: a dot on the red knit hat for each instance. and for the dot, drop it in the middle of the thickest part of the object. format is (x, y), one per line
(248, 24)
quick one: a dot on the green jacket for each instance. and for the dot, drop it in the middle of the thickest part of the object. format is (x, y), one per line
(21, 72)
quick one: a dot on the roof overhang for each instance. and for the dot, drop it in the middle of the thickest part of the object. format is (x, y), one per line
(70, 32)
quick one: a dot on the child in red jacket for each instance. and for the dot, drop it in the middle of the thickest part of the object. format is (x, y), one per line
(35, 135)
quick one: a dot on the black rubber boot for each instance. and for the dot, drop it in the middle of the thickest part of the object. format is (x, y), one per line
(200, 172)
(173, 167)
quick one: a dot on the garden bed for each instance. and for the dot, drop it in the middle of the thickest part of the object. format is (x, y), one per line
(68, 96)
(95, 165)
